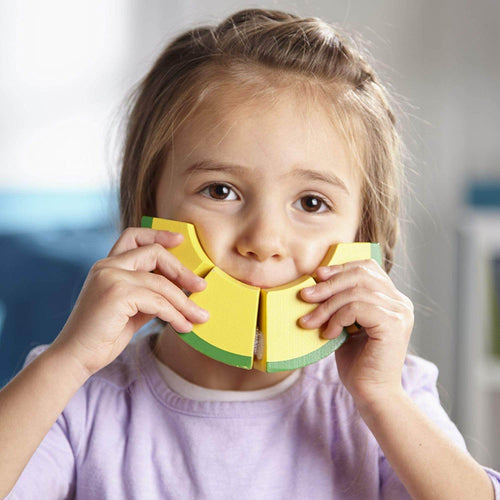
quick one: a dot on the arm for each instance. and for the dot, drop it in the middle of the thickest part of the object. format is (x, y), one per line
(370, 365)
(426, 461)
(29, 406)
(119, 296)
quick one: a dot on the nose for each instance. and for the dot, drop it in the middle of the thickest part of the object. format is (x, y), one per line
(262, 237)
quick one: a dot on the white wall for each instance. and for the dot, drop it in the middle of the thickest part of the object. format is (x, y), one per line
(66, 66)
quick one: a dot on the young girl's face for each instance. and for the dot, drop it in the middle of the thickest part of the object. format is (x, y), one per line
(268, 187)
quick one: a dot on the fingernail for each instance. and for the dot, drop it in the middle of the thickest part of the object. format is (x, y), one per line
(203, 314)
(306, 318)
(309, 290)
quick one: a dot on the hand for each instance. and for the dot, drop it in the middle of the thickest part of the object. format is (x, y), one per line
(371, 360)
(120, 295)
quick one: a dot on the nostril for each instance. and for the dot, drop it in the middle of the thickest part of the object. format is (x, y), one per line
(260, 249)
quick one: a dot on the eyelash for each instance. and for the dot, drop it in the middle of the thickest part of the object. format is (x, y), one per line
(328, 206)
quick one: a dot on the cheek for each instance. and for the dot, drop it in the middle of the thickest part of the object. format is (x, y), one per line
(311, 250)
(168, 203)
(308, 255)
(213, 239)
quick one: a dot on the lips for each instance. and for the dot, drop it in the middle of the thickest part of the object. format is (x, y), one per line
(260, 277)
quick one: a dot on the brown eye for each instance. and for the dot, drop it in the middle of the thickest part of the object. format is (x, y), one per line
(219, 192)
(311, 203)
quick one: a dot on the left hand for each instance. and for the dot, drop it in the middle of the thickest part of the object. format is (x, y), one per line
(370, 362)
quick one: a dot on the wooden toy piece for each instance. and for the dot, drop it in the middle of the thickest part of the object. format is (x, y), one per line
(229, 334)
(189, 252)
(346, 252)
(287, 345)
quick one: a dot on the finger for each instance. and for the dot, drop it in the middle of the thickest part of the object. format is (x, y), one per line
(156, 257)
(325, 272)
(327, 309)
(360, 273)
(378, 322)
(147, 302)
(375, 319)
(134, 237)
(171, 292)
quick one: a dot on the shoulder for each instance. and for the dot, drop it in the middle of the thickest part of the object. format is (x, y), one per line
(104, 405)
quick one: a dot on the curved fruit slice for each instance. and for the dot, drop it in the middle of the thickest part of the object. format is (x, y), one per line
(229, 334)
(287, 345)
(346, 252)
(189, 252)
(240, 318)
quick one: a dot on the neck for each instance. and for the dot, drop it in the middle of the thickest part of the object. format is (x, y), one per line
(201, 370)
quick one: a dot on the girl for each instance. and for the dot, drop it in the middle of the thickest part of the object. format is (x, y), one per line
(274, 137)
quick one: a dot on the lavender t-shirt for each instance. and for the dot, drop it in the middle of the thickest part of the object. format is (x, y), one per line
(126, 435)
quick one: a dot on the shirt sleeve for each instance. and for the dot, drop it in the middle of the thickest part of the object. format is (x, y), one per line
(50, 473)
(420, 382)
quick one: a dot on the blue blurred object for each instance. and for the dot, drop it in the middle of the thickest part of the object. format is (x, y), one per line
(48, 242)
(34, 211)
(3, 313)
(484, 194)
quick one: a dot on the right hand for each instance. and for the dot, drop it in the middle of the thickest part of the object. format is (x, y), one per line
(121, 294)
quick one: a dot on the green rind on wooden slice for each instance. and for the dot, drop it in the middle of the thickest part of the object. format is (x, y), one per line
(146, 221)
(213, 352)
(376, 252)
(309, 358)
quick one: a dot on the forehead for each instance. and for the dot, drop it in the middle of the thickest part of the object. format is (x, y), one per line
(270, 127)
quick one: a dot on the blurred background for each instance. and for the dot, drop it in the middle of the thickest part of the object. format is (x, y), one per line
(66, 68)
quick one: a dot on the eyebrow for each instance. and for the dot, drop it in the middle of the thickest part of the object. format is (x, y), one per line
(303, 173)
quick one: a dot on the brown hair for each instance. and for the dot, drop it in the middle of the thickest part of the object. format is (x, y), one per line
(253, 47)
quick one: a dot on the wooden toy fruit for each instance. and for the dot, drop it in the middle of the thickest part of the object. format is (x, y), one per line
(251, 327)
(229, 334)
(289, 346)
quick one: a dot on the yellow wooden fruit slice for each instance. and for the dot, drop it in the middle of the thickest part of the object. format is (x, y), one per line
(288, 346)
(229, 334)
(346, 252)
(232, 305)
